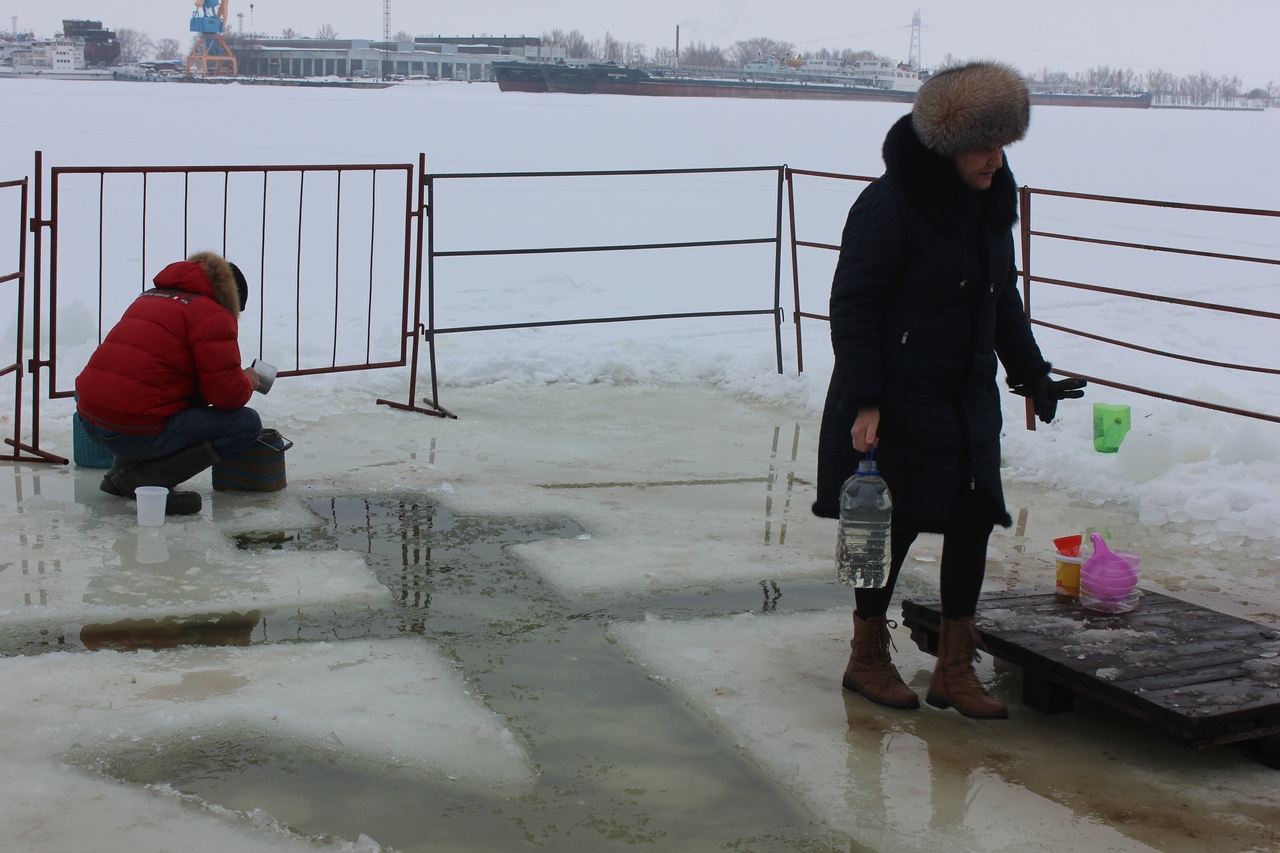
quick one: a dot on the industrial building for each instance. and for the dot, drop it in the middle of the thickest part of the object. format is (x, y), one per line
(435, 58)
(101, 49)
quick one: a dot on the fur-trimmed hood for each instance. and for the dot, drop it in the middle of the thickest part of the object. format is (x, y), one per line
(223, 281)
(932, 182)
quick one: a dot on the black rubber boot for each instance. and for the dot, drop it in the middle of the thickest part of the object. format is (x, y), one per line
(167, 471)
(118, 464)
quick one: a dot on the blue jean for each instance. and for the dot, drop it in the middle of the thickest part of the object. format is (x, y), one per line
(228, 430)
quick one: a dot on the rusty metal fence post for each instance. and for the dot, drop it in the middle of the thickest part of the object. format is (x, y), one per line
(1024, 233)
(419, 227)
(798, 313)
(36, 225)
(18, 278)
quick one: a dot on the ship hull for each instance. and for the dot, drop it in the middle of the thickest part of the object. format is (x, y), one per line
(694, 88)
(1140, 101)
(514, 77)
(606, 79)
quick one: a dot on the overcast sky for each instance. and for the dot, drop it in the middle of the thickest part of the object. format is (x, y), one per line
(1231, 37)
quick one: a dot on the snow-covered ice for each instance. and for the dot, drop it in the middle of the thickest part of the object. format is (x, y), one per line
(682, 464)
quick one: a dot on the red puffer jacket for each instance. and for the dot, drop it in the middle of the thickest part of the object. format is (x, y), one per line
(172, 343)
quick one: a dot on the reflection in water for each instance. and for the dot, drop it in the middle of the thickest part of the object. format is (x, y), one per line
(787, 490)
(772, 592)
(894, 771)
(621, 761)
(152, 546)
(222, 629)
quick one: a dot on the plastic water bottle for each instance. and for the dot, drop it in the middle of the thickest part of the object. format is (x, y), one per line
(862, 549)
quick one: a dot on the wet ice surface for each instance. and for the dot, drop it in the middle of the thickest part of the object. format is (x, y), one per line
(586, 618)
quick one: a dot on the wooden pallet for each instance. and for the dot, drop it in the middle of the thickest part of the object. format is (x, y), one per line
(1203, 677)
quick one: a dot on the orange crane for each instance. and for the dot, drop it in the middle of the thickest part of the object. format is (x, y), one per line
(210, 56)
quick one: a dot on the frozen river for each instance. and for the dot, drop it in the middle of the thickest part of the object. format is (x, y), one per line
(578, 617)
(594, 612)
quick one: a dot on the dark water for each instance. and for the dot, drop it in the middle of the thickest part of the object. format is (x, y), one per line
(621, 763)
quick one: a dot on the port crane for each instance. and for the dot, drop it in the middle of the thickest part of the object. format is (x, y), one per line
(210, 56)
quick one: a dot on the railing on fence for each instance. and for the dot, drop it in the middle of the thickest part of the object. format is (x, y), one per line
(323, 230)
(327, 250)
(1031, 274)
(1028, 231)
(289, 234)
(570, 218)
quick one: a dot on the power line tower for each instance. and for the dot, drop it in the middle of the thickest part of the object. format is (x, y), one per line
(387, 36)
(913, 56)
(211, 56)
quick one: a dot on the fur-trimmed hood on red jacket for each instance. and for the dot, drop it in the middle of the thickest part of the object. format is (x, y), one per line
(176, 346)
(218, 272)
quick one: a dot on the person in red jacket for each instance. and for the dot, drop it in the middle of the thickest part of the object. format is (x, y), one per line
(164, 392)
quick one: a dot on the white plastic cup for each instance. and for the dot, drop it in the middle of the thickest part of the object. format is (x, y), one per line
(151, 501)
(266, 374)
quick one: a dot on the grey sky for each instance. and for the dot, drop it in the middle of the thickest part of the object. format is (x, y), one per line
(1223, 37)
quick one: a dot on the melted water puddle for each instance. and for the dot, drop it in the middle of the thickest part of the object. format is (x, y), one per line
(620, 762)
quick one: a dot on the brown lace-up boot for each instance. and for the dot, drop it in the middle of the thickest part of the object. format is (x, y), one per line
(954, 683)
(870, 671)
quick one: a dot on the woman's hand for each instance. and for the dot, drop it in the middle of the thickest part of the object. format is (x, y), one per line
(865, 427)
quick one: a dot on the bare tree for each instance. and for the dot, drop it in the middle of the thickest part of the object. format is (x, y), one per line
(610, 49)
(851, 56)
(664, 56)
(402, 36)
(634, 53)
(288, 33)
(577, 47)
(1162, 85)
(168, 49)
(702, 55)
(326, 32)
(760, 48)
(135, 46)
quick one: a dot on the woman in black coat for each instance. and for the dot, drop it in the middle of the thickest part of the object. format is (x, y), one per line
(923, 302)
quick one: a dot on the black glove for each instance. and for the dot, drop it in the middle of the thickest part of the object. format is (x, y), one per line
(1044, 393)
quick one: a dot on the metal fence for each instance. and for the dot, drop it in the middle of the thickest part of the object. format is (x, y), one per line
(559, 225)
(326, 246)
(1091, 230)
(340, 255)
(1206, 231)
(13, 198)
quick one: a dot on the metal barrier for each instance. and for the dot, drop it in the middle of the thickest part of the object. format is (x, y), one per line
(797, 313)
(327, 250)
(1028, 231)
(337, 251)
(19, 279)
(576, 219)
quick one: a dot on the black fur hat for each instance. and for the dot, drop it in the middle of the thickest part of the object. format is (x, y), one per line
(971, 108)
(242, 286)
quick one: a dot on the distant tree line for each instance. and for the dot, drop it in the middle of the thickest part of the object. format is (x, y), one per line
(696, 54)
(1201, 90)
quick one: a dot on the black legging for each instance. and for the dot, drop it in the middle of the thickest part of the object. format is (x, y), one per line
(964, 563)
